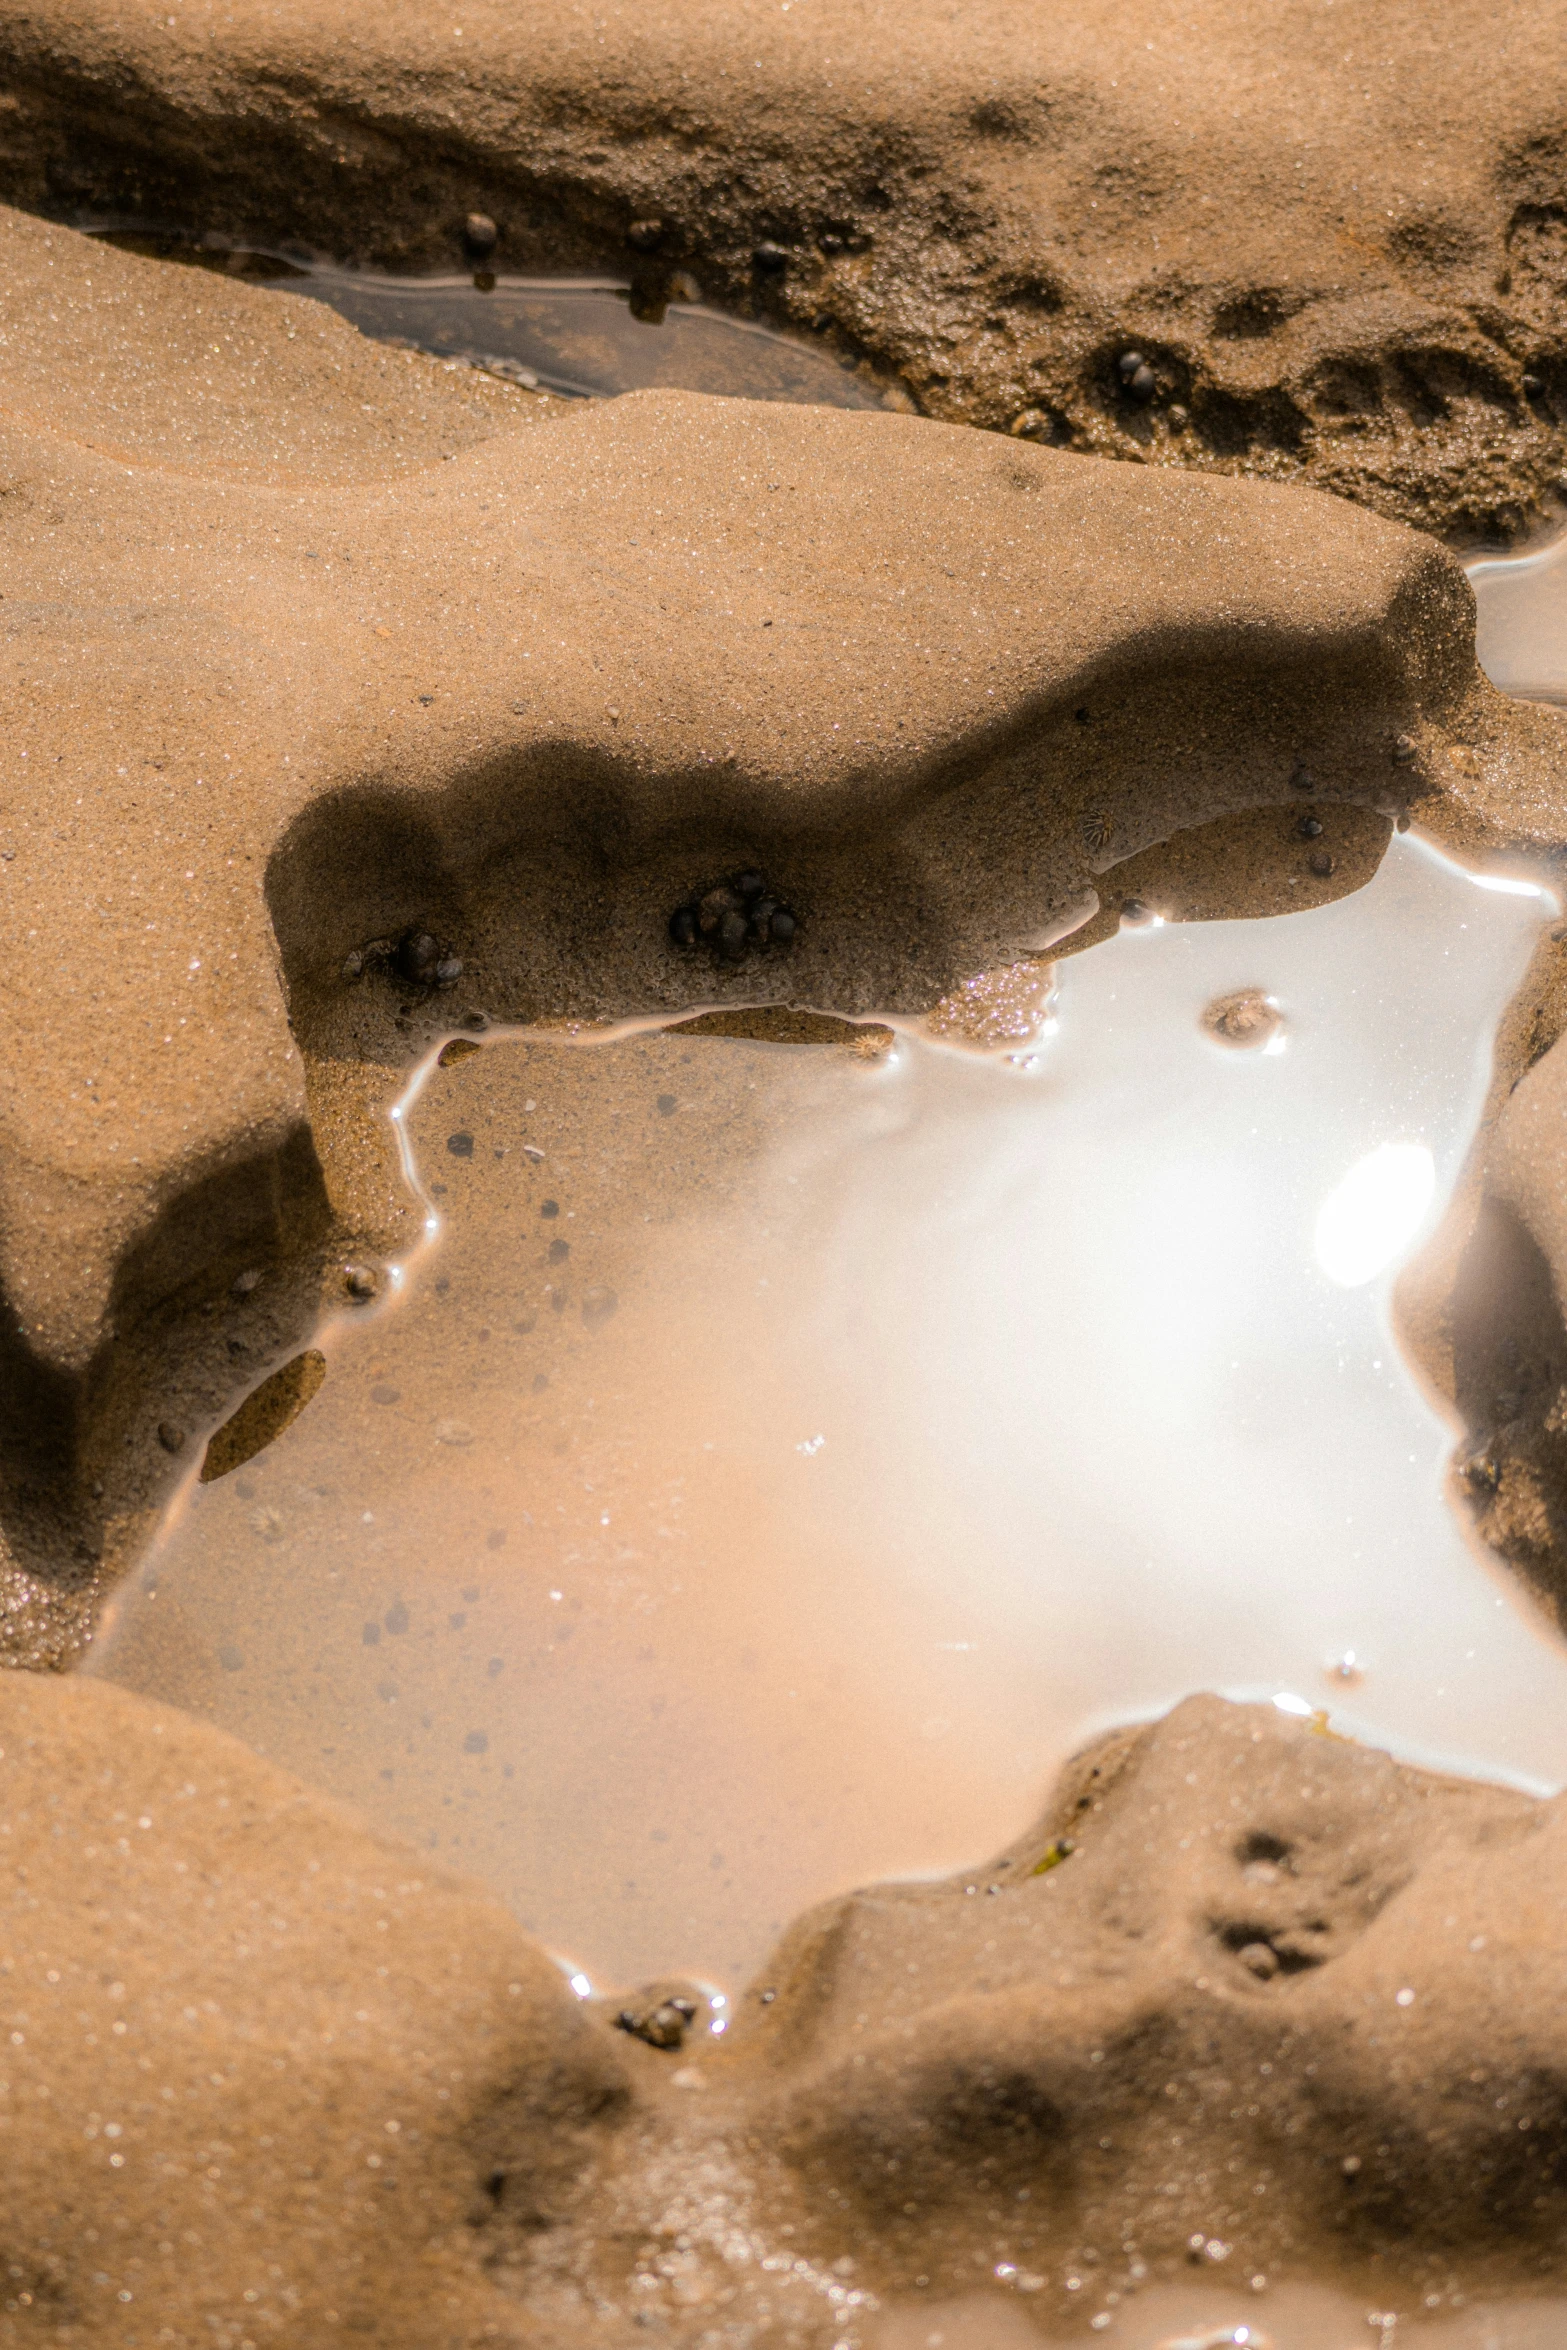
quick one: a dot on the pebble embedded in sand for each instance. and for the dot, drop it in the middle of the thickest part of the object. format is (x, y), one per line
(480, 235)
(1247, 1018)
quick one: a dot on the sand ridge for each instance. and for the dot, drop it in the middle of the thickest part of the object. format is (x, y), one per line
(1336, 241)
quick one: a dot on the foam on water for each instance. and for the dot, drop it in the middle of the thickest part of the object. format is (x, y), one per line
(767, 1487)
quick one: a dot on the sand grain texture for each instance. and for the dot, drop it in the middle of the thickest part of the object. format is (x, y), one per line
(1338, 242)
(1283, 1995)
(309, 641)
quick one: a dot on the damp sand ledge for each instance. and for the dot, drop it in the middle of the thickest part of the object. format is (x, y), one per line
(313, 642)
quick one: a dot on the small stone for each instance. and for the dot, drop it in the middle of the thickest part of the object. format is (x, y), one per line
(783, 926)
(354, 965)
(1482, 1471)
(645, 236)
(448, 971)
(1350, 2165)
(1310, 828)
(1128, 364)
(171, 1436)
(243, 1283)
(415, 957)
(1403, 750)
(713, 908)
(660, 2026)
(359, 1281)
(1028, 423)
(1136, 913)
(667, 1105)
(750, 884)
(770, 259)
(1320, 863)
(682, 926)
(480, 235)
(1301, 778)
(732, 934)
(1143, 384)
(454, 1432)
(1259, 1959)
(1178, 416)
(682, 287)
(1246, 1019)
(1533, 387)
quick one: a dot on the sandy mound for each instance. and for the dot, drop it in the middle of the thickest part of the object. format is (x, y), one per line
(1339, 246)
(1246, 1988)
(313, 642)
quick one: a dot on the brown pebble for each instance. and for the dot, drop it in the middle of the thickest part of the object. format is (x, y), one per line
(1260, 1960)
(171, 1436)
(359, 1280)
(1321, 863)
(480, 234)
(1247, 1018)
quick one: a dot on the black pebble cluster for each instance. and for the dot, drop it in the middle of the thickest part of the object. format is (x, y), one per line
(739, 914)
(1136, 375)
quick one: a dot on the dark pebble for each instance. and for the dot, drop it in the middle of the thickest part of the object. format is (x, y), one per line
(1143, 384)
(171, 1436)
(645, 236)
(1533, 387)
(663, 2026)
(359, 1281)
(682, 926)
(1302, 779)
(549, 1207)
(448, 971)
(1128, 364)
(460, 1145)
(560, 1250)
(750, 884)
(771, 260)
(667, 1105)
(480, 235)
(732, 933)
(1482, 1471)
(386, 1395)
(396, 1618)
(415, 957)
(1321, 863)
(476, 1742)
(1259, 1959)
(1310, 828)
(783, 927)
(711, 912)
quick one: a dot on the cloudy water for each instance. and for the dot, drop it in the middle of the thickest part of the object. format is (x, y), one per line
(784, 1457)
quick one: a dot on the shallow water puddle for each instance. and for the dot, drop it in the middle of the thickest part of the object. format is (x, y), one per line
(592, 337)
(785, 1458)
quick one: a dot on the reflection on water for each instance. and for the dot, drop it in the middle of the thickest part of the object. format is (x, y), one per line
(783, 1458)
(1522, 633)
(592, 337)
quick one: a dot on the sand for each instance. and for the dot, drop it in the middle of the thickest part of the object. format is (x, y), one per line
(311, 643)
(1336, 242)
(1248, 1999)
(314, 641)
